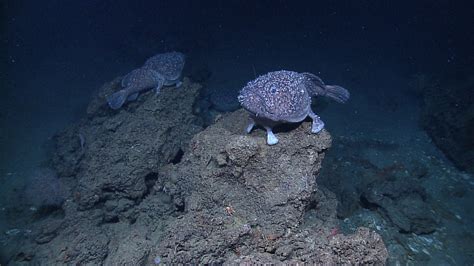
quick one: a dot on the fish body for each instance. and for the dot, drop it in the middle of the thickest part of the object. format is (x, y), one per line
(170, 65)
(285, 97)
(163, 69)
(133, 83)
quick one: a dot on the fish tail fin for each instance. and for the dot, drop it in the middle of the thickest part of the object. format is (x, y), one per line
(316, 87)
(337, 93)
(117, 99)
(314, 84)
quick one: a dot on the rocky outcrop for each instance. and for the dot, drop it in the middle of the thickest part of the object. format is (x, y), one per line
(113, 154)
(143, 190)
(244, 201)
(394, 191)
(448, 117)
(402, 202)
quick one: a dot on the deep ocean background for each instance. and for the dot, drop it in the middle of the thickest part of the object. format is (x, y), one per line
(56, 54)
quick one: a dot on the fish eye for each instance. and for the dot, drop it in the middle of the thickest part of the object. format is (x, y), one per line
(273, 90)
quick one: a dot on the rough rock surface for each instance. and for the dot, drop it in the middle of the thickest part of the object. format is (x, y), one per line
(404, 204)
(112, 153)
(391, 196)
(448, 117)
(244, 200)
(393, 190)
(226, 197)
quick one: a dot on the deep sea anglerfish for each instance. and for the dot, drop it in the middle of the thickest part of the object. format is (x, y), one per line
(285, 97)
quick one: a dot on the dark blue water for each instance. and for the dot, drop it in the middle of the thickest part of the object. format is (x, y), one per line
(408, 65)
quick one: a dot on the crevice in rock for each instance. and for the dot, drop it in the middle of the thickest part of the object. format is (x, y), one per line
(179, 204)
(177, 158)
(366, 204)
(110, 190)
(150, 181)
(111, 220)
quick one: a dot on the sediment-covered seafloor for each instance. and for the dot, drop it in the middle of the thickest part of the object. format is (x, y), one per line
(148, 184)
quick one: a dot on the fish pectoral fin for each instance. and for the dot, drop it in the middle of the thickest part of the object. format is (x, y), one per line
(132, 97)
(317, 124)
(117, 99)
(250, 126)
(271, 138)
(158, 87)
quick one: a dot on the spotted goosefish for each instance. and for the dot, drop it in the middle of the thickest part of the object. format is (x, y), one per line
(285, 97)
(170, 65)
(158, 71)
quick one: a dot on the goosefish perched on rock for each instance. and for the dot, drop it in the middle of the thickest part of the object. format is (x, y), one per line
(169, 65)
(133, 83)
(285, 97)
(160, 70)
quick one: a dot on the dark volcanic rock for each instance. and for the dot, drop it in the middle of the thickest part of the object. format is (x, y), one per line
(245, 200)
(112, 152)
(403, 202)
(362, 248)
(394, 191)
(448, 117)
(144, 193)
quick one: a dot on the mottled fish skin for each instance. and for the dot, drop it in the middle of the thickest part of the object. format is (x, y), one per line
(170, 65)
(279, 96)
(141, 79)
(133, 83)
(285, 96)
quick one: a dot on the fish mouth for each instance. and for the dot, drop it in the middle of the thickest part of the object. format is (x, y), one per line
(256, 106)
